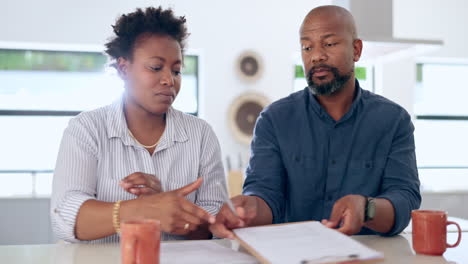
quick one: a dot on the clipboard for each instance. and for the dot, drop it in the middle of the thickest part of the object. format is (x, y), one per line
(338, 259)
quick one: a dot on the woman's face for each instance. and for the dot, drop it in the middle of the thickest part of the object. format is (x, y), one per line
(153, 76)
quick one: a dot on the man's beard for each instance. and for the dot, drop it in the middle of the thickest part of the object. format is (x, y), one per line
(331, 87)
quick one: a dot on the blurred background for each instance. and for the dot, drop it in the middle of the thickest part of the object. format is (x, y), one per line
(241, 56)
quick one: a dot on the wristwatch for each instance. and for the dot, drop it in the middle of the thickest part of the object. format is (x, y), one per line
(369, 212)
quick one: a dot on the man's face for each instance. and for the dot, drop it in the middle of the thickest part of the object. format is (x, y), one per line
(328, 53)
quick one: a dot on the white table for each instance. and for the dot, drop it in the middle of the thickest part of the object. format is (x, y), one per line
(396, 250)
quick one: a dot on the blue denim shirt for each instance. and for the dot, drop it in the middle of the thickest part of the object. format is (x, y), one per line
(303, 161)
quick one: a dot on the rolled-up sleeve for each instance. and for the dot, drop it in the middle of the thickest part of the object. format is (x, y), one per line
(265, 174)
(74, 179)
(209, 196)
(400, 183)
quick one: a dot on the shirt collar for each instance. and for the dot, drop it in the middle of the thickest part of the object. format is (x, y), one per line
(317, 107)
(117, 126)
(116, 123)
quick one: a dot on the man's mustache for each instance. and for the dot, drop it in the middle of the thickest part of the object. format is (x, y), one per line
(321, 66)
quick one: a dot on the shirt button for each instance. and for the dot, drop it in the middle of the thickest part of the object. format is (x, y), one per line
(55, 210)
(329, 197)
(333, 162)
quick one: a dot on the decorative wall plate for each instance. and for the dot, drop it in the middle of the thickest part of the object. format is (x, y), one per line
(249, 66)
(243, 114)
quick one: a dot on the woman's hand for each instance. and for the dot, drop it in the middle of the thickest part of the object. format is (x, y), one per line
(176, 214)
(139, 184)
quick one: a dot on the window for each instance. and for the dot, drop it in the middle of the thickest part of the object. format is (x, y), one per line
(363, 72)
(441, 126)
(40, 91)
(187, 99)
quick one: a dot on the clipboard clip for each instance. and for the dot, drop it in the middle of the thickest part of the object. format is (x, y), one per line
(331, 259)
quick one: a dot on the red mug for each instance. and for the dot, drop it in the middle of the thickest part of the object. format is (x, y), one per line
(140, 242)
(430, 232)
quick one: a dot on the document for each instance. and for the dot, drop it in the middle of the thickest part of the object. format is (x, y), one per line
(302, 243)
(202, 252)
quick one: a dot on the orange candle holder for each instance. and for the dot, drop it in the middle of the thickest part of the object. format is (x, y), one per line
(140, 241)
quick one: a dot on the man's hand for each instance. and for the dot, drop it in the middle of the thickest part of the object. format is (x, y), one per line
(347, 214)
(139, 183)
(247, 208)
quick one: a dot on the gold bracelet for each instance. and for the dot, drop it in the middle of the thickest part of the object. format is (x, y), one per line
(116, 216)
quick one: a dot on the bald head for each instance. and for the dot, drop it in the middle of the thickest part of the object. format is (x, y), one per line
(334, 15)
(330, 48)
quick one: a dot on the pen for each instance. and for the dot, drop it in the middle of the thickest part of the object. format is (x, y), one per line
(332, 259)
(226, 198)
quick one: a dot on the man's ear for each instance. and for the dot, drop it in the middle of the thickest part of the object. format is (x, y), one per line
(122, 67)
(357, 49)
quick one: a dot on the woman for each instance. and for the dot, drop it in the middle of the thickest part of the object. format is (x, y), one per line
(139, 158)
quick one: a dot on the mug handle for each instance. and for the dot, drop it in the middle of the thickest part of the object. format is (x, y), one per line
(459, 234)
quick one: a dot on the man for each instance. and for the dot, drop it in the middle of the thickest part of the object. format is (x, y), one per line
(333, 151)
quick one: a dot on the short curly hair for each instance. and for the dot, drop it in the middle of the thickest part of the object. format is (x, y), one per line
(129, 27)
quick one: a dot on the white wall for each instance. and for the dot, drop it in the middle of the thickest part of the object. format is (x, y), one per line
(223, 29)
(453, 203)
(434, 19)
(220, 31)
(25, 221)
(396, 80)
